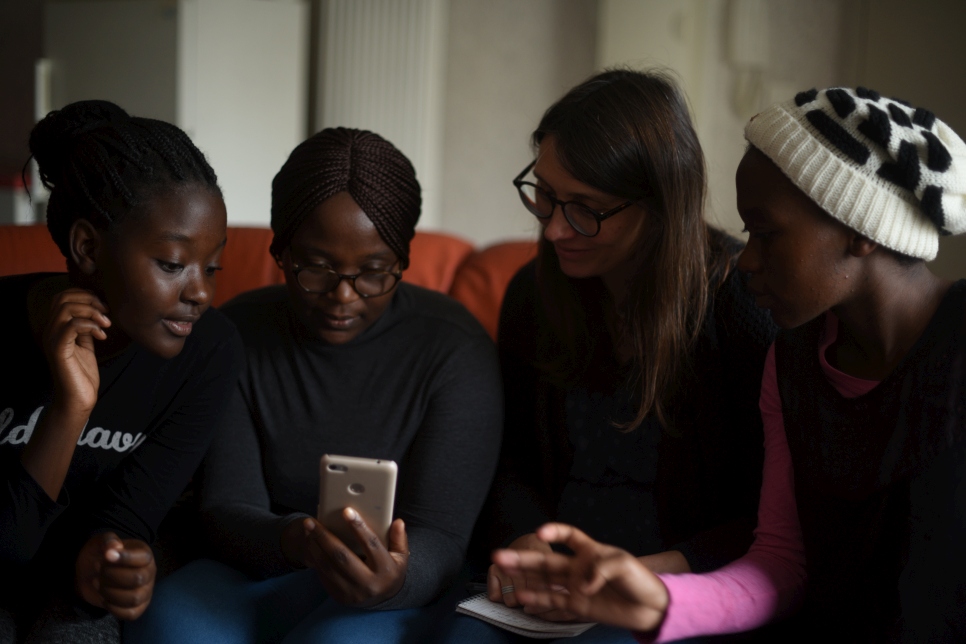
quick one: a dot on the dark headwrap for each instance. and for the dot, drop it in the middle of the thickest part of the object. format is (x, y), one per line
(375, 174)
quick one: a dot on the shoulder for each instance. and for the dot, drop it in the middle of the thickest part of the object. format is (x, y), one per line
(435, 315)
(14, 284)
(520, 318)
(215, 341)
(258, 311)
(251, 302)
(524, 283)
(519, 301)
(13, 291)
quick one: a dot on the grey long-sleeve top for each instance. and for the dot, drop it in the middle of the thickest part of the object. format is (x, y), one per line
(421, 387)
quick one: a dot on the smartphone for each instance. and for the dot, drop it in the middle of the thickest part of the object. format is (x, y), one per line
(366, 485)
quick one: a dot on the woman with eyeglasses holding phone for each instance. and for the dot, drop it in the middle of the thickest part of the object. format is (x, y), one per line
(631, 353)
(345, 359)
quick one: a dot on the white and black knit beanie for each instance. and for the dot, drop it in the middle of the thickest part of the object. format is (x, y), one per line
(894, 173)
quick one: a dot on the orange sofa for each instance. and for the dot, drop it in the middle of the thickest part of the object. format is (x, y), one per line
(442, 262)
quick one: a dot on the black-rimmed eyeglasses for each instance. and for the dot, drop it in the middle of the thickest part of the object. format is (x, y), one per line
(322, 279)
(540, 203)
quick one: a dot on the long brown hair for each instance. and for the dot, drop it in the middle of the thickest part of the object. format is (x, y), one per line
(628, 134)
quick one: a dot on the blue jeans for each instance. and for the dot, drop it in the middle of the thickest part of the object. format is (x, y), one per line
(210, 602)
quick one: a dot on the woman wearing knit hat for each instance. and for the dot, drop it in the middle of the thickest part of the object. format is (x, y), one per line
(845, 194)
(345, 359)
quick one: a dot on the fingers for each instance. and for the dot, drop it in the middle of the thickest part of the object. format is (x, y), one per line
(77, 296)
(348, 579)
(126, 598)
(68, 310)
(333, 555)
(550, 568)
(78, 304)
(572, 537)
(502, 586)
(549, 604)
(493, 584)
(127, 574)
(552, 615)
(130, 555)
(398, 539)
(372, 546)
(549, 613)
(76, 313)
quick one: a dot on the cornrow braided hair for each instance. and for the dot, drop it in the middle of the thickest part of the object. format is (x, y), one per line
(101, 163)
(375, 174)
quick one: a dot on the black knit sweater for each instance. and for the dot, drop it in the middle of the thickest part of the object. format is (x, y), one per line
(696, 486)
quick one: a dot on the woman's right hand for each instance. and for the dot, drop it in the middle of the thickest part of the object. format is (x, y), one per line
(361, 579)
(77, 317)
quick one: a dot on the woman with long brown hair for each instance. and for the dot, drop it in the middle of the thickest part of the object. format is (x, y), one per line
(631, 354)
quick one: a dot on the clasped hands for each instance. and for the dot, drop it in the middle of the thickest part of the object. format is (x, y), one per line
(350, 579)
(598, 583)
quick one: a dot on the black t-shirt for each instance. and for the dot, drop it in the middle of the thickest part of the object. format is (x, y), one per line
(421, 387)
(153, 421)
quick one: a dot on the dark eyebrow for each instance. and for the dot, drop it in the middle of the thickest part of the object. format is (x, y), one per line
(382, 255)
(577, 196)
(183, 239)
(318, 252)
(174, 237)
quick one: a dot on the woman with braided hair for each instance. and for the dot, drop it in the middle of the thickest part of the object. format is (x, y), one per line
(344, 359)
(121, 370)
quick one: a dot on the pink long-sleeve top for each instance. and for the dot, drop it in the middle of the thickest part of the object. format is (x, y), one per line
(768, 581)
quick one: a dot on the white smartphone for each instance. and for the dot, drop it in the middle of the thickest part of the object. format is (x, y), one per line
(366, 485)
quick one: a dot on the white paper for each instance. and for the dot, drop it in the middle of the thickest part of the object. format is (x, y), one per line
(516, 621)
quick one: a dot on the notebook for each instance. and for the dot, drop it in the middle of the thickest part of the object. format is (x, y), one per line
(516, 621)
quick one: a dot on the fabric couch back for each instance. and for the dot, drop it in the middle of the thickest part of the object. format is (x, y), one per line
(442, 262)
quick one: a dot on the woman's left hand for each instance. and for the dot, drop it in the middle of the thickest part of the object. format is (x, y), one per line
(348, 579)
(605, 584)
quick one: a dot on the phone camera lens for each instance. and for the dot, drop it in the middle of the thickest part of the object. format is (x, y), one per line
(357, 488)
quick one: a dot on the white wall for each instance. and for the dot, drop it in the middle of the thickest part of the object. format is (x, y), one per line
(508, 62)
(242, 82)
(727, 80)
(381, 68)
(231, 73)
(917, 51)
(119, 50)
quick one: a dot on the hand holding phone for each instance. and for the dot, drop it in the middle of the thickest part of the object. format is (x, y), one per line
(366, 485)
(360, 567)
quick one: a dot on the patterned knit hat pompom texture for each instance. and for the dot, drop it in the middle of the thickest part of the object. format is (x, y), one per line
(893, 172)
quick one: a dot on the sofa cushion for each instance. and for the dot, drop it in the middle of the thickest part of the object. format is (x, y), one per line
(29, 249)
(434, 259)
(483, 278)
(439, 261)
(247, 263)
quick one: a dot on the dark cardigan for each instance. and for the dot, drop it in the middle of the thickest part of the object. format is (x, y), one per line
(709, 465)
(880, 483)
